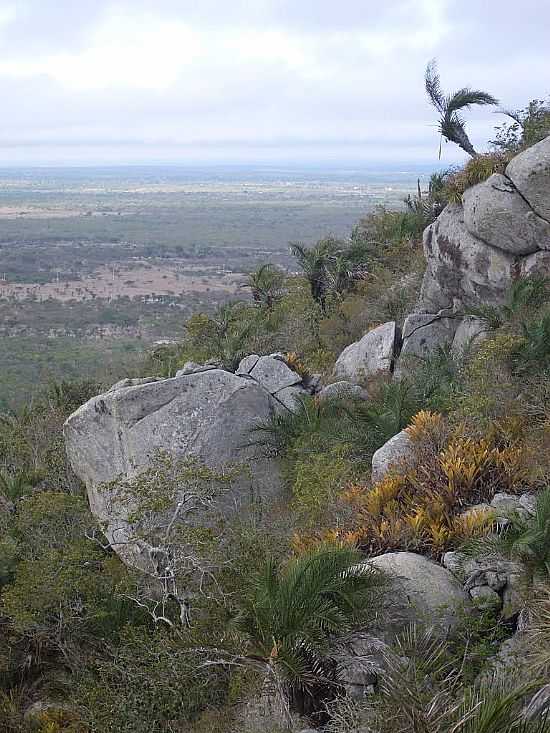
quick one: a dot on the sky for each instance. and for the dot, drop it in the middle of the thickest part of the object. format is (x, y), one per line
(256, 81)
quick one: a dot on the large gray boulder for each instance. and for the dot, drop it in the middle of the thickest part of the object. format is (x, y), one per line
(475, 250)
(462, 270)
(496, 213)
(207, 415)
(397, 451)
(424, 334)
(421, 592)
(371, 356)
(471, 331)
(274, 375)
(530, 173)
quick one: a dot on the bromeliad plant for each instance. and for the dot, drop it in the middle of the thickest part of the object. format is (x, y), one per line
(420, 505)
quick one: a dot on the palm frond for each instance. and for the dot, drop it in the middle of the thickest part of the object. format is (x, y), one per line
(464, 98)
(432, 83)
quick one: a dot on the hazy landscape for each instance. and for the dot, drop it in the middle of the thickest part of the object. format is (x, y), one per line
(97, 262)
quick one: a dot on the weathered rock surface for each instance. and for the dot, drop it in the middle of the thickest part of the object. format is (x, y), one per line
(470, 332)
(370, 356)
(495, 212)
(474, 251)
(247, 364)
(361, 661)
(273, 374)
(483, 574)
(206, 414)
(397, 451)
(461, 269)
(539, 705)
(535, 265)
(423, 334)
(421, 592)
(485, 598)
(530, 173)
(341, 391)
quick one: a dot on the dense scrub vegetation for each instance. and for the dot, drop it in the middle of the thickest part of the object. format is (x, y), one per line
(89, 646)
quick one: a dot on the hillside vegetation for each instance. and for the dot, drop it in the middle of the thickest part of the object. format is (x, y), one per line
(91, 645)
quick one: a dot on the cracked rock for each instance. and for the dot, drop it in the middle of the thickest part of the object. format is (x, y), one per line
(496, 213)
(273, 374)
(530, 173)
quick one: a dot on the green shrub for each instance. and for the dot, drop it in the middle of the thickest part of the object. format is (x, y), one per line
(317, 479)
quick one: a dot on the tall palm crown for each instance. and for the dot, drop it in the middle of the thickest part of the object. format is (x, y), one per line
(452, 125)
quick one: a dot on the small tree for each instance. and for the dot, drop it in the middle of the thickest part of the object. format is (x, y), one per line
(527, 127)
(451, 124)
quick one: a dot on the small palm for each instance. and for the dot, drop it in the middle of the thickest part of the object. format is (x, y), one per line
(291, 614)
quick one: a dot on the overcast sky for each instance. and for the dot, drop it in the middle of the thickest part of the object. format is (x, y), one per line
(107, 81)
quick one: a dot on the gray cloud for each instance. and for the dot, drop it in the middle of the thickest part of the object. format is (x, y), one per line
(107, 80)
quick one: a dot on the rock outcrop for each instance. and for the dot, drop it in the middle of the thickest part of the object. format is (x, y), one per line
(462, 270)
(496, 213)
(371, 356)
(475, 250)
(396, 452)
(421, 592)
(207, 414)
(530, 173)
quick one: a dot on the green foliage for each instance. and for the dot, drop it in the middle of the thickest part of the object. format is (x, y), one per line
(533, 351)
(32, 450)
(527, 127)
(148, 683)
(328, 267)
(266, 284)
(524, 538)
(356, 427)
(318, 478)
(290, 613)
(63, 587)
(476, 170)
(423, 690)
(14, 486)
(223, 337)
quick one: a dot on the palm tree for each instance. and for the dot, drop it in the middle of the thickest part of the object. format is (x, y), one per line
(291, 614)
(451, 123)
(329, 266)
(266, 284)
(315, 262)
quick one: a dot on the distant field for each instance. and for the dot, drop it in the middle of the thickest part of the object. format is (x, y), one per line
(128, 254)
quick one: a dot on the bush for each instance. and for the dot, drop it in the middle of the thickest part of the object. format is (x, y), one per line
(475, 171)
(53, 597)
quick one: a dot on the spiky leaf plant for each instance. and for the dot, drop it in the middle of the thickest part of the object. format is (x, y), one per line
(525, 538)
(451, 123)
(291, 613)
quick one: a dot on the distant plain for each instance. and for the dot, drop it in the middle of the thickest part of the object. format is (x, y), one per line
(95, 263)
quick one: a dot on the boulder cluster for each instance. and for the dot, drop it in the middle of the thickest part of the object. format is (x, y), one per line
(474, 252)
